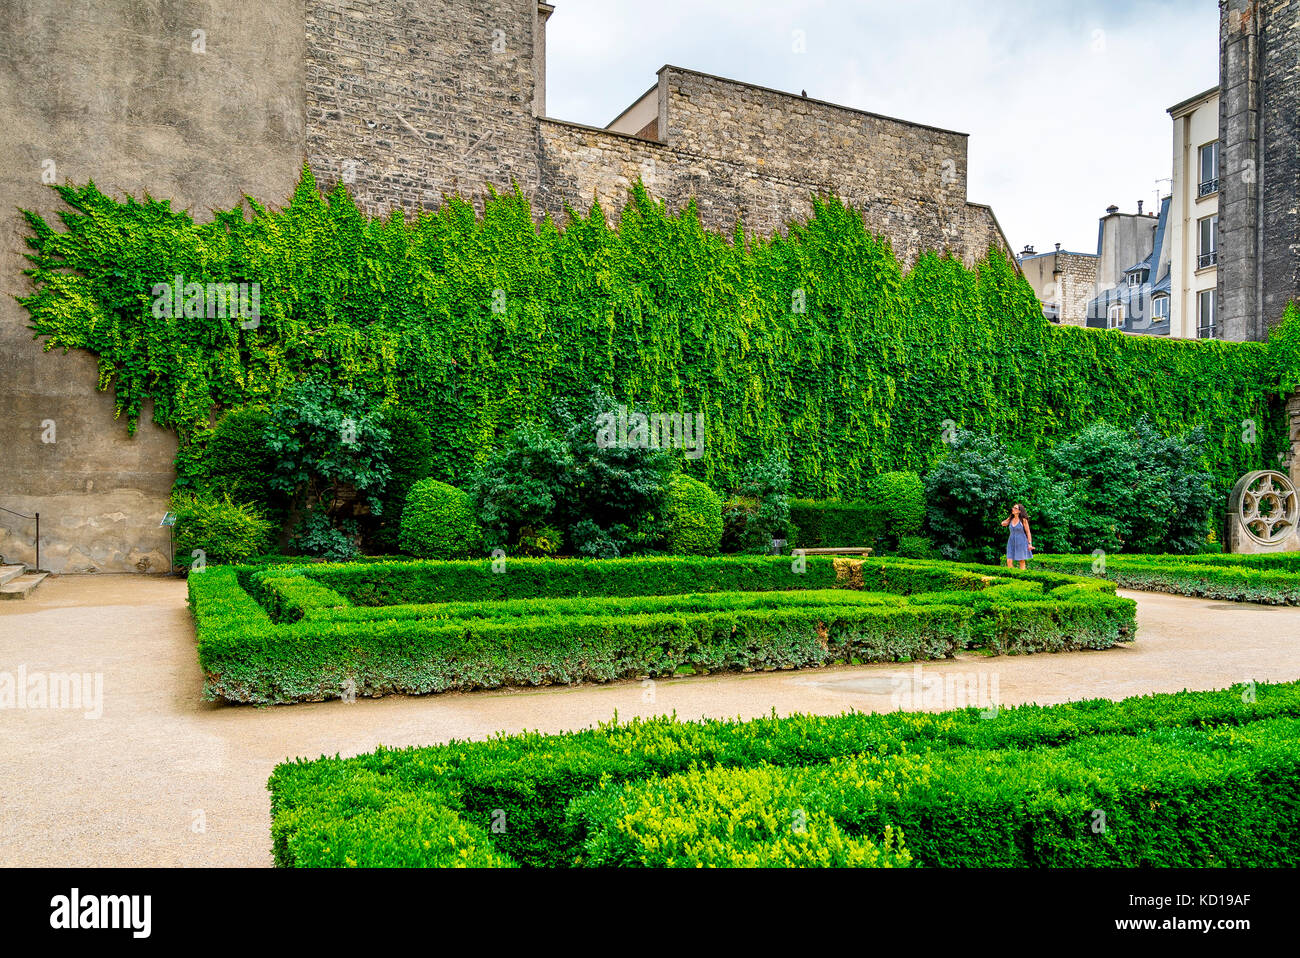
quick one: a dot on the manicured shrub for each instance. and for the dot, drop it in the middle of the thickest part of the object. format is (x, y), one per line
(1038, 774)
(693, 514)
(238, 461)
(223, 530)
(1266, 579)
(438, 522)
(827, 523)
(559, 635)
(899, 499)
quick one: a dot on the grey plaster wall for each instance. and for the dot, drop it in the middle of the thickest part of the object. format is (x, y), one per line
(115, 92)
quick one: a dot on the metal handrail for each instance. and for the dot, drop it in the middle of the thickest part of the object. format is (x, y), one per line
(37, 517)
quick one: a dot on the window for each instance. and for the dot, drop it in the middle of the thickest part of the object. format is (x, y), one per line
(1115, 318)
(1208, 244)
(1209, 169)
(1160, 309)
(1209, 307)
(1134, 279)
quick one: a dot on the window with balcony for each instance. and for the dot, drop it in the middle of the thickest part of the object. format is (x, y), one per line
(1207, 248)
(1208, 308)
(1209, 169)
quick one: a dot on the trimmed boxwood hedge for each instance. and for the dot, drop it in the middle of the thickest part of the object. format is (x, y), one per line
(693, 513)
(1196, 778)
(438, 522)
(307, 645)
(1269, 579)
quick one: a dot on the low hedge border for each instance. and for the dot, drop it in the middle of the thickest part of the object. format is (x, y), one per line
(1172, 797)
(1266, 579)
(307, 645)
(329, 811)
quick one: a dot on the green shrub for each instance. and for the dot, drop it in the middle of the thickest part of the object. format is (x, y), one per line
(549, 787)
(410, 459)
(828, 524)
(1266, 579)
(767, 483)
(438, 522)
(899, 499)
(916, 547)
(693, 514)
(1172, 798)
(224, 531)
(238, 461)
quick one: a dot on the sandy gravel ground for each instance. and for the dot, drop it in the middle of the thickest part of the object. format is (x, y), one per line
(163, 778)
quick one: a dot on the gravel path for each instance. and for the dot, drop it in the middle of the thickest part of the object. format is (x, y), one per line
(162, 778)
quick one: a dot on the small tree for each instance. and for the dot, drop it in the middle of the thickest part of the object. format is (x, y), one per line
(330, 456)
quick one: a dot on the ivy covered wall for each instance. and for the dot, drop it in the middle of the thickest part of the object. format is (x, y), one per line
(815, 344)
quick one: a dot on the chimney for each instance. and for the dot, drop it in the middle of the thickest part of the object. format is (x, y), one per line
(1058, 247)
(544, 11)
(1027, 251)
(1139, 207)
(1112, 209)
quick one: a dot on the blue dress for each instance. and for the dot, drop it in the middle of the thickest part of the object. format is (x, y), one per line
(1018, 543)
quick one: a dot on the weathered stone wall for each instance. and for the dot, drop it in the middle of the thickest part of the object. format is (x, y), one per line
(408, 100)
(1259, 164)
(115, 92)
(746, 151)
(1064, 280)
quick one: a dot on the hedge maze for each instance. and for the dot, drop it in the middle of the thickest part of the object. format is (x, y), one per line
(283, 634)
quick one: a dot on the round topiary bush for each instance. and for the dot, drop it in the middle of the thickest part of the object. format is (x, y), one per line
(438, 522)
(693, 516)
(237, 459)
(899, 499)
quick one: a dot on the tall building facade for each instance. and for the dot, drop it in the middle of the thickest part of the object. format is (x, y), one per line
(1194, 218)
(1259, 164)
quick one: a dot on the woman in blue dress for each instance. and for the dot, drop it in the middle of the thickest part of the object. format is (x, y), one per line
(1020, 542)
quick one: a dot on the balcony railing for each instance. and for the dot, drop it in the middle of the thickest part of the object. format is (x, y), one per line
(1208, 187)
(1207, 259)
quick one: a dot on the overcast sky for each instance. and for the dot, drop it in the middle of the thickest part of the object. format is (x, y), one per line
(1065, 102)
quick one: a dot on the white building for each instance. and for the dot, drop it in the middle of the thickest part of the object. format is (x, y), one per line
(1194, 217)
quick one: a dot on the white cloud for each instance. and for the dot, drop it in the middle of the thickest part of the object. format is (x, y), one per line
(1065, 103)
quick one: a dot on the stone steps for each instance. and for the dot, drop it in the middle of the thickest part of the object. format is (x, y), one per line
(16, 582)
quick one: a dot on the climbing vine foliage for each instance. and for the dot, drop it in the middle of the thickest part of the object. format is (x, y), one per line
(816, 345)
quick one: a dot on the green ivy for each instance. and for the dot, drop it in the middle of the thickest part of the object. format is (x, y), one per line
(814, 346)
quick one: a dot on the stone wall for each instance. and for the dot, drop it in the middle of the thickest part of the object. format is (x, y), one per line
(407, 101)
(1065, 280)
(1259, 164)
(120, 93)
(742, 150)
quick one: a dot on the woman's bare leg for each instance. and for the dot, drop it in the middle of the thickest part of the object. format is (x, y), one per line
(1010, 565)
(1022, 563)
